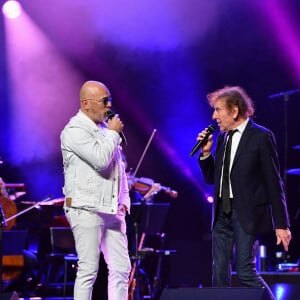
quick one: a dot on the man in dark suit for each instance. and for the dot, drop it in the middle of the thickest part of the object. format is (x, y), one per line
(252, 199)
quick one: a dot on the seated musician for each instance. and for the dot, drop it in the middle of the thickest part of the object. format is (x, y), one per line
(24, 281)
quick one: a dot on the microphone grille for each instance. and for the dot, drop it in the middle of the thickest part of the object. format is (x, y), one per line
(211, 128)
(110, 114)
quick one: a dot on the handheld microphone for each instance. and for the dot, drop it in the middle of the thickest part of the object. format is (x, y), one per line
(110, 115)
(210, 130)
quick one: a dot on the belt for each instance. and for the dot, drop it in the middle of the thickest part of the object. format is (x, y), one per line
(81, 208)
(69, 205)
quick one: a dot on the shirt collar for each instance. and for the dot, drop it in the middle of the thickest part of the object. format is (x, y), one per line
(241, 128)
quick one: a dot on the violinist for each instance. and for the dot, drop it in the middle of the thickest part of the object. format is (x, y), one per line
(142, 193)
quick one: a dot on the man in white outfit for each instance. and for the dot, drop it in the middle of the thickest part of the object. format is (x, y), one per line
(96, 192)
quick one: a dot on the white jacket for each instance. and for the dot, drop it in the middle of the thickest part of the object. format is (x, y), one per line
(93, 168)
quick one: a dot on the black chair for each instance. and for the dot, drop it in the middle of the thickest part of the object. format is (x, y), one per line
(62, 256)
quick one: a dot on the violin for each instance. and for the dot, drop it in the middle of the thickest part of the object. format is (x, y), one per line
(147, 187)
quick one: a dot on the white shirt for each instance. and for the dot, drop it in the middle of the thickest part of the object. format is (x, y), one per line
(234, 145)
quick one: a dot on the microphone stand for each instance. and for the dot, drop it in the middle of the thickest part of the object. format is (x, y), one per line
(286, 97)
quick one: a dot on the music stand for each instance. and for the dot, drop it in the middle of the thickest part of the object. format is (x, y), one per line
(150, 216)
(147, 218)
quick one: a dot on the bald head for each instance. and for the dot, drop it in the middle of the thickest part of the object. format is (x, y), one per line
(95, 100)
(90, 89)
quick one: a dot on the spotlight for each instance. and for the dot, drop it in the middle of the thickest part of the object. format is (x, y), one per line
(11, 9)
(209, 198)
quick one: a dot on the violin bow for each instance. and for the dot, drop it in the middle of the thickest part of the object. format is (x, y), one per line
(29, 208)
(144, 153)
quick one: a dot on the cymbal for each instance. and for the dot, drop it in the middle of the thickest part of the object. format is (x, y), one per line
(297, 147)
(293, 171)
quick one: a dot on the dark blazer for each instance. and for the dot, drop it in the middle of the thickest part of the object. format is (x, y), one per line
(258, 191)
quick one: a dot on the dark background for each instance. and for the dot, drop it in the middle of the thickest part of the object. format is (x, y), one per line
(159, 59)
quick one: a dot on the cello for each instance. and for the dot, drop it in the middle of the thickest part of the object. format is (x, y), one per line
(12, 265)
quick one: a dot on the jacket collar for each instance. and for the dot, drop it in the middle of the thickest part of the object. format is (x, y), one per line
(86, 120)
(243, 140)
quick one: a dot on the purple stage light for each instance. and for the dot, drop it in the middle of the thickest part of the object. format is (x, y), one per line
(209, 198)
(11, 9)
(284, 32)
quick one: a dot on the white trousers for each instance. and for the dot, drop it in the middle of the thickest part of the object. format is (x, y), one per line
(94, 233)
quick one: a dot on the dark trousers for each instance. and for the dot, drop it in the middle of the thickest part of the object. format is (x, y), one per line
(229, 235)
